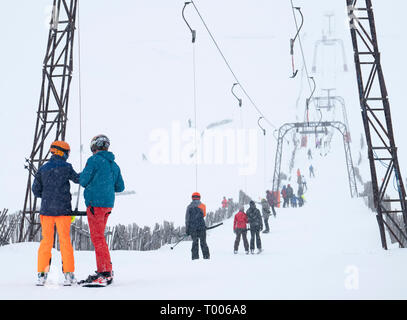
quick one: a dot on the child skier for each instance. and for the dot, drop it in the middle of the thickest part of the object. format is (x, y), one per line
(101, 178)
(51, 184)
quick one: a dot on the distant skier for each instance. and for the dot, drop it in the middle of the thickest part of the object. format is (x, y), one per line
(304, 183)
(298, 173)
(265, 210)
(195, 226)
(302, 200)
(309, 154)
(101, 178)
(224, 203)
(240, 229)
(300, 194)
(256, 225)
(311, 171)
(272, 201)
(51, 184)
(290, 193)
(294, 201)
(284, 195)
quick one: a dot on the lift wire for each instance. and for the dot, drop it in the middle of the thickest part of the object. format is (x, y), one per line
(244, 187)
(193, 33)
(230, 68)
(195, 115)
(301, 87)
(80, 101)
(264, 152)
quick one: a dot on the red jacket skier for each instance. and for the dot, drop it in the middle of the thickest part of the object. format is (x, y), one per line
(224, 203)
(240, 228)
(240, 221)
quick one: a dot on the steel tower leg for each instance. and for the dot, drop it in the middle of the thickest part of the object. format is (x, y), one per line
(52, 114)
(375, 108)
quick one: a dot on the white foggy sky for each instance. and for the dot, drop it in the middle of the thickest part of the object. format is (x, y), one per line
(137, 77)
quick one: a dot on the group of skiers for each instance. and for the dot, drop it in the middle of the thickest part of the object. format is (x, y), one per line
(101, 178)
(251, 220)
(291, 199)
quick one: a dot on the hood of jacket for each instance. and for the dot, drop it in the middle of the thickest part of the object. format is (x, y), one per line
(106, 154)
(195, 203)
(56, 157)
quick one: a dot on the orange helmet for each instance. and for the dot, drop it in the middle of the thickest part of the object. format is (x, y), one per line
(196, 196)
(59, 148)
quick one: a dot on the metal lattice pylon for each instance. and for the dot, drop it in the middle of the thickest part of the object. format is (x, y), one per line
(52, 114)
(387, 184)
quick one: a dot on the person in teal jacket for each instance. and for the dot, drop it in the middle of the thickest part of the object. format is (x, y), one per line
(101, 178)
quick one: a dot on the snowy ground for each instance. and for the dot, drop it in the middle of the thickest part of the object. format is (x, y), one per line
(328, 249)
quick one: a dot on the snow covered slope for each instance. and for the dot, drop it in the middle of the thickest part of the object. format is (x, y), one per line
(328, 249)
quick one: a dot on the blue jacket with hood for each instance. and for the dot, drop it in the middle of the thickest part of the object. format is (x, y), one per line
(101, 178)
(51, 184)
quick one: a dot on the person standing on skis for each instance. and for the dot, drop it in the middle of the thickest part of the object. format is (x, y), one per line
(101, 178)
(51, 184)
(195, 226)
(270, 196)
(240, 229)
(309, 154)
(224, 203)
(284, 195)
(311, 171)
(265, 210)
(290, 194)
(256, 225)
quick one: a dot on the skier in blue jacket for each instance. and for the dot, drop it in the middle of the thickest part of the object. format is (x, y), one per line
(101, 178)
(52, 185)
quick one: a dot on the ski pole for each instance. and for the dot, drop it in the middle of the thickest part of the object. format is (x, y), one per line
(215, 226)
(172, 248)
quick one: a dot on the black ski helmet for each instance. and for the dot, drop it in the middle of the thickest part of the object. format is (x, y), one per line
(100, 142)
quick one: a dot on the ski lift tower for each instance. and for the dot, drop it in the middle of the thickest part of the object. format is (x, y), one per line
(388, 189)
(52, 114)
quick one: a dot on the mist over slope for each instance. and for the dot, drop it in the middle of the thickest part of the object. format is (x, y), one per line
(137, 79)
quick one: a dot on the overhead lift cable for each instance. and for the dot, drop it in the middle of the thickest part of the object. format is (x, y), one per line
(193, 33)
(264, 153)
(80, 102)
(230, 68)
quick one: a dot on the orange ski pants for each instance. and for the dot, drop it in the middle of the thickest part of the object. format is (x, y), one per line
(63, 224)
